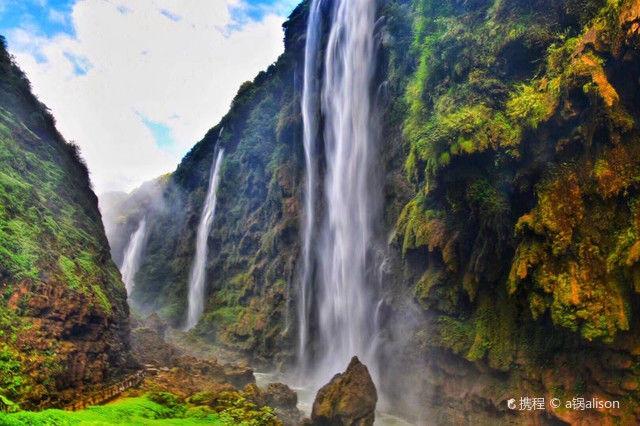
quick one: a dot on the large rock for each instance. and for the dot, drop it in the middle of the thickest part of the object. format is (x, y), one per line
(348, 399)
(155, 323)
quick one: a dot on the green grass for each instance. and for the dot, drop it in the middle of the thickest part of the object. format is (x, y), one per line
(130, 411)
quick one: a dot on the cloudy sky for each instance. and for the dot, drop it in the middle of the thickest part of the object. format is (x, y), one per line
(135, 83)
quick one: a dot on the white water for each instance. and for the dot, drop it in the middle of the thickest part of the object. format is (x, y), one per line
(344, 300)
(310, 132)
(197, 276)
(132, 255)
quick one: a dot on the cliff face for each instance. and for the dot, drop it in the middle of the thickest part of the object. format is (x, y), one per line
(511, 164)
(254, 240)
(522, 124)
(63, 311)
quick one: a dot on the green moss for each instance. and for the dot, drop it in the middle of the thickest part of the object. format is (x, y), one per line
(68, 268)
(529, 106)
(419, 227)
(11, 372)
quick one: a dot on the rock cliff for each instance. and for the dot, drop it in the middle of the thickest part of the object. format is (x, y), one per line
(64, 319)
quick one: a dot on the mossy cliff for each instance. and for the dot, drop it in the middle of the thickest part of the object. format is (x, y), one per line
(512, 170)
(521, 124)
(63, 311)
(253, 243)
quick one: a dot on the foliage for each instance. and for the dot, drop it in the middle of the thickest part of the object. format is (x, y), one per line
(148, 410)
(51, 235)
(523, 155)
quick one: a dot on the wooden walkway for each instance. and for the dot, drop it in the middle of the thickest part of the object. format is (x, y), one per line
(107, 394)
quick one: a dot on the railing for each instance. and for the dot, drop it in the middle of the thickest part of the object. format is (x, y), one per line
(108, 393)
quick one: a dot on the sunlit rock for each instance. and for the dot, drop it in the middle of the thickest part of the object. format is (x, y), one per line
(348, 399)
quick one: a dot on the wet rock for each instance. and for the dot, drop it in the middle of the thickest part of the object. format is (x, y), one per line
(239, 374)
(279, 395)
(91, 343)
(254, 395)
(284, 400)
(348, 399)
(151, 349)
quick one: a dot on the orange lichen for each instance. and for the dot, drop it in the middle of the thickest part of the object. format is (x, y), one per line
(615, 172)
(606, 91)
(560, 209)
(634, 254)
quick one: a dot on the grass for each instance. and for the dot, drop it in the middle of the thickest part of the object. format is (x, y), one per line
(129, 411)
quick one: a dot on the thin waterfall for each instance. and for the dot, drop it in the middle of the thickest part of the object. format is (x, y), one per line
(344, 299)
(197, 277)
(132, 256)
(310, 131)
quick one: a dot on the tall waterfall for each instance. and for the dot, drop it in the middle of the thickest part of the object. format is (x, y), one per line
(132, 255)
(344, 299)
(310, 133)
(197, 276)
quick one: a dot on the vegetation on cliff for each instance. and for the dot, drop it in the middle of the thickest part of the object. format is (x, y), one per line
(63, 311)
(253, 243)
(523, 152)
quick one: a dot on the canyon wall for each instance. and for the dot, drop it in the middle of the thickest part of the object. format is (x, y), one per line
(509, 157)
(64, 318)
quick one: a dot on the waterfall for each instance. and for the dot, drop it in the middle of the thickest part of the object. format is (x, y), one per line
(197, 276)
(132, 255)
(344, 299)
(310, 131)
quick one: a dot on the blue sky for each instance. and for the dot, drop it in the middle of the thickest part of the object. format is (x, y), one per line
(136, 83)
(51, 17)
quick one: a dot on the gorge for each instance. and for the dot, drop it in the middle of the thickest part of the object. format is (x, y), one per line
(446, 190)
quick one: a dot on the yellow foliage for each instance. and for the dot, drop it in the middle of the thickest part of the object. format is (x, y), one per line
(560, 209)
(420, 227)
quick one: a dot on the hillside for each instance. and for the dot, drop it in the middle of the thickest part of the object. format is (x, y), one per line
(64, 319)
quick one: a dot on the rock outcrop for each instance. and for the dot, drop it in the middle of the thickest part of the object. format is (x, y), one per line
(155, 323)
(349, 399)
(185, 374)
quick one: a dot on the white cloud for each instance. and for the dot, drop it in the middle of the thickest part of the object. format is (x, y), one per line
(175, 63)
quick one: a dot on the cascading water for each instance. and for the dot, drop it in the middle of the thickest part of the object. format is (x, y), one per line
(345, 305)
(197, 276)
(310, 132)
(132, 256)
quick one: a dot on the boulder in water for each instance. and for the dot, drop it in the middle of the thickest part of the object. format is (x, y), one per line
(277, 396)
(284, 401)
(348, 399)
